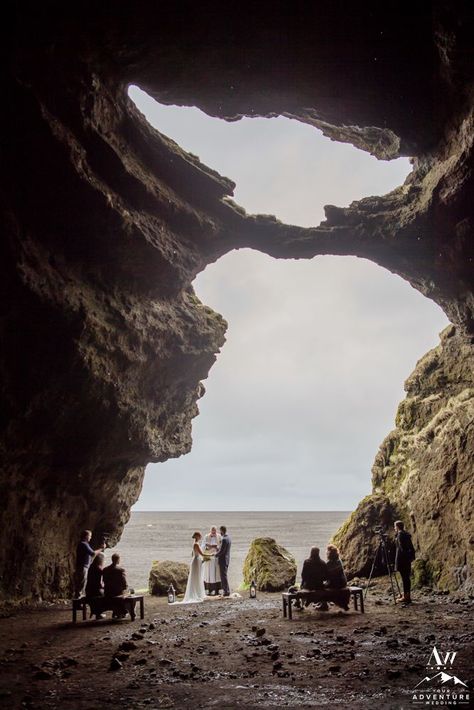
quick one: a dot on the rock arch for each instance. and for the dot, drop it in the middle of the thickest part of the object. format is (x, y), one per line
(106, 223)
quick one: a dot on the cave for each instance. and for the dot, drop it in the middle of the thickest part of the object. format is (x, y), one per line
(106, 224)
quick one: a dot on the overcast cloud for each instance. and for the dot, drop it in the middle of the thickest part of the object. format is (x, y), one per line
(307, 385)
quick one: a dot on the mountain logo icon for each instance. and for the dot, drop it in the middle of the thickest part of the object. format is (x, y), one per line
(441, 678)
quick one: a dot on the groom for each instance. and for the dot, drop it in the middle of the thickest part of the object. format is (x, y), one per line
(223, 558)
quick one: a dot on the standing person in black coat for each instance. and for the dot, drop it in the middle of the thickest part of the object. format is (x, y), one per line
(223, 559)
(404, 556)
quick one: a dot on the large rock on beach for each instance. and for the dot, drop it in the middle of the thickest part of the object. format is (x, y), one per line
(162, 574)
(271, 566)
(358, 541)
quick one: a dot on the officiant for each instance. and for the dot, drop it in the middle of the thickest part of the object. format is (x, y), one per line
(212, 577)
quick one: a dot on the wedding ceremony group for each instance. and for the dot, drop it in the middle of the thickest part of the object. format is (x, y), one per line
(106, 586)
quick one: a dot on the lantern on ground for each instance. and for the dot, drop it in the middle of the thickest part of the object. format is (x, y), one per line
(253, 590)
(171, 594)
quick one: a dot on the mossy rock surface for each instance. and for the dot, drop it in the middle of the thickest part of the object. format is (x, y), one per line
(162, 574)
(357, 541)
(271, 566)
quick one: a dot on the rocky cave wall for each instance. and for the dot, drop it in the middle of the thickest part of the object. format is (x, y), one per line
(423, 472)
(106, 223)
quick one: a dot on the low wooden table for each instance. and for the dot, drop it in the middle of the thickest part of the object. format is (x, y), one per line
(107, 604)
(317, 596)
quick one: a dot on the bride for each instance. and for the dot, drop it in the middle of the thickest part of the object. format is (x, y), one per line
(195, 587)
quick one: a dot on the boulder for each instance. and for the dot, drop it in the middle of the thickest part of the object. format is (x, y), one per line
(357, 540)
(271, 566)
(162, 574)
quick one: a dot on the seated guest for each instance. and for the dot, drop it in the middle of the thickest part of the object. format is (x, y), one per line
(115, 580)
(336, 577)
(314, 571)
(95, 585)
(313, 576)
(115, 583)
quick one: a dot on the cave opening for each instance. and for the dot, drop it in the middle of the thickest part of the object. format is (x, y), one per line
(316, 351)
(280, 166)
(289, 168)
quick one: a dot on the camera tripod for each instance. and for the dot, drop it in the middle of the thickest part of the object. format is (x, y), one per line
(382, 553)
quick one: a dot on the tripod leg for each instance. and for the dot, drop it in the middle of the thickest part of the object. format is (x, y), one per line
(372, 570)
(391, 574)
(398, 586)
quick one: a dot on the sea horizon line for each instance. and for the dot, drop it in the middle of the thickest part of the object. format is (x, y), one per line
(222, 510)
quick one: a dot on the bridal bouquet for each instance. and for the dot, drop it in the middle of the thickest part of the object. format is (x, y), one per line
(206, 558)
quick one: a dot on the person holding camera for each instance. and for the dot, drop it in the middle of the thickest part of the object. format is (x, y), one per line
(84, 555)
(404, 556)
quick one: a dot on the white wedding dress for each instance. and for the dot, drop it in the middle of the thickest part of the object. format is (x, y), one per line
(195, 587)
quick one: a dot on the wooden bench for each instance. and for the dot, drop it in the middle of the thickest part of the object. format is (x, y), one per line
(109, 604)
(288, 598)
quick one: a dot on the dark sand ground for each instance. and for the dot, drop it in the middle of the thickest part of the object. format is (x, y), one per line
(211, 655)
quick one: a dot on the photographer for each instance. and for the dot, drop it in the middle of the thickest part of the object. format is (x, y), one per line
(405, 554)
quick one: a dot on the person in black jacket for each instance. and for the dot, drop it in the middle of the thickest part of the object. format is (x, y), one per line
(115, 585)
(404, 556)
(314, 572)
(95, 585)
(335, 570)
(223, 559)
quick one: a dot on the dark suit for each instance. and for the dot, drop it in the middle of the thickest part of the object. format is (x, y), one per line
(95, 584)
(223, 558)
(404, 556)
(115, 581)
(314, 574)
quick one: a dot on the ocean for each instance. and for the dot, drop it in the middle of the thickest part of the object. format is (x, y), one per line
(162, 536)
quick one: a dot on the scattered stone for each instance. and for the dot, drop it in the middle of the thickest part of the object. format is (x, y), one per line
(115, 664)
(393, 673)
(334, 669)
(165, 662)
(128, 646)
(43, 674)
(67, 662)
(259, 632)
(138, 636)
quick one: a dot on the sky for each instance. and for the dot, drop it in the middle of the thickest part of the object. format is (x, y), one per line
(307, 385)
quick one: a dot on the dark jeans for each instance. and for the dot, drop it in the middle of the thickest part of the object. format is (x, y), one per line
(405, 574)
(224, 580)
